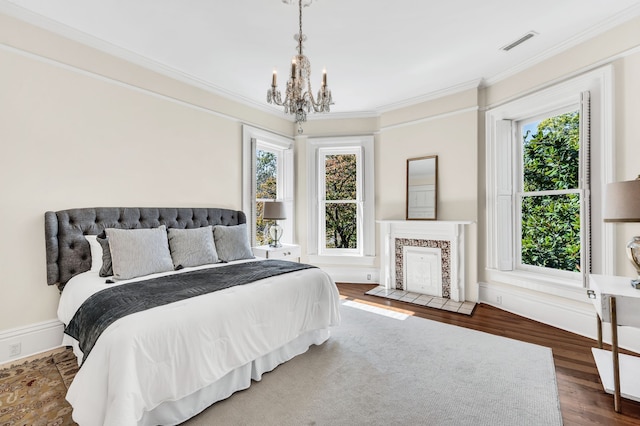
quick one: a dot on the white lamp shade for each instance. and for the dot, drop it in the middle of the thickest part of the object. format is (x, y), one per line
(622, 201)
(274, 210)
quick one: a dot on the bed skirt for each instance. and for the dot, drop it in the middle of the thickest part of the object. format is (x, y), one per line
(176, 412)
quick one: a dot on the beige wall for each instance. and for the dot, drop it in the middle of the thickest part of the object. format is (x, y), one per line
(450, 132)
(81, 129)
(446, 127)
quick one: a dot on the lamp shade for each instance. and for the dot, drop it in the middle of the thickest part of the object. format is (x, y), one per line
(274, 210)
(622, 201)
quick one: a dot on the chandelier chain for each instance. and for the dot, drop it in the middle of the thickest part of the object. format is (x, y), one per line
(300, 32)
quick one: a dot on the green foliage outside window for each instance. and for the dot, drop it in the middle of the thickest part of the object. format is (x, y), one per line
(341, 185)
(266, 188)
(551, 223)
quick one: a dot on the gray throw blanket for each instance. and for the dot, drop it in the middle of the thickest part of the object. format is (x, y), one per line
(106, 306)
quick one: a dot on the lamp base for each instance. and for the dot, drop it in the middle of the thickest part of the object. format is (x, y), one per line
(275, 232)
(633, 252)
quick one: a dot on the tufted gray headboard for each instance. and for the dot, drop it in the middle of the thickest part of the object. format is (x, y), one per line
(68, 252)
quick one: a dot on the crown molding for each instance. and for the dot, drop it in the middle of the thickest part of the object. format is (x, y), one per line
(85, 39)
(65, 31)
(343, 115)
(431, 96)
(622, 17)
(58, 28)
(430, 118)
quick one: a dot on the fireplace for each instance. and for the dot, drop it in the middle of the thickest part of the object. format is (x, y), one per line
(422, 266)
(423, 257)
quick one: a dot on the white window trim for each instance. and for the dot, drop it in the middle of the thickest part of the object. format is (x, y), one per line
(315, 148)
(500, 196)
(284, 148)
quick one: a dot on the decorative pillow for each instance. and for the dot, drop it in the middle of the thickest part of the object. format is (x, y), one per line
(138, 252)
(96, 252)
(106, 270)
(192, 247)
(232, 242)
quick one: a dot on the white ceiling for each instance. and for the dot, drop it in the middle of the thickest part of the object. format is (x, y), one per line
(379, 54)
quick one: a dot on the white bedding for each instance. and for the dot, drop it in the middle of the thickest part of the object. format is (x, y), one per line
(171, 352)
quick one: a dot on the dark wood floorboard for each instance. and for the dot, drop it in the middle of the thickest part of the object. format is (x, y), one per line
(582, 400)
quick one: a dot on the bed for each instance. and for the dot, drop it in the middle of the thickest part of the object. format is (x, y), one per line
(150, 356)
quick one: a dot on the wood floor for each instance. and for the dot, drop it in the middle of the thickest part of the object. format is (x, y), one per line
(582, 400)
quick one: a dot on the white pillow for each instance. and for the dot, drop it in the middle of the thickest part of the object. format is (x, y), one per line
(138, 252)
(96, 252)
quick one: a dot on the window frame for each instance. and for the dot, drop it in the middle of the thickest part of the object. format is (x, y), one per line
(322, 200)
(519, 194)
(317, 148)
(500, 184)
(252, 139)
(278, 151)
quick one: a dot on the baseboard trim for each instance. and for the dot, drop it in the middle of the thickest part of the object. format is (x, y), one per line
(570, 315)
(33, 339)
(353, 275)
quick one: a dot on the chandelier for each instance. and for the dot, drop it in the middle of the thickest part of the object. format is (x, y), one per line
(299, 98)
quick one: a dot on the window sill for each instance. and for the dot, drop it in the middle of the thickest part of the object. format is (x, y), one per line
(561, 287)
(344, 259)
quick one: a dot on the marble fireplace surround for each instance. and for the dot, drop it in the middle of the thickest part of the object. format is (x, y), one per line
(448, 236)
(401, 244)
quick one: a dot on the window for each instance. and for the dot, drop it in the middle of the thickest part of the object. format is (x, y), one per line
(549, 194)
(341, 216)
(268, 185)
(549, 156)
(267, 175)
(340, 200)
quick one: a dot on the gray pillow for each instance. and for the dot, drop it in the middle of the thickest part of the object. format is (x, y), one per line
(232, 242)
(138, 252)
(106, 270)
(192, 247)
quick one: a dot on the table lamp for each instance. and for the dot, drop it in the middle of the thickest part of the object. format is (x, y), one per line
(274, 210)
(622, 204)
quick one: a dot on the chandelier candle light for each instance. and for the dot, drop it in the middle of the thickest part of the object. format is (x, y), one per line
(299, 98)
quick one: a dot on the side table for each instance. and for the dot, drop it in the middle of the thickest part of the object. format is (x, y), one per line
(286, 252)
(617, 303)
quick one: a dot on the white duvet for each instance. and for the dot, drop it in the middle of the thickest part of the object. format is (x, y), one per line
(169, 352)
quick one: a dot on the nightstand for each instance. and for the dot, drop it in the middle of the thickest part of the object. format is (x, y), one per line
(618, 303)
(286, 252)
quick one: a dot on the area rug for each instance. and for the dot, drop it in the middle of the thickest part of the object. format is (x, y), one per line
(378, 368)
(33, 392)
(381, 370)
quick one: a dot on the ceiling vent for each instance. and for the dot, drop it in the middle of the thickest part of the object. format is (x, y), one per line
(519, 41)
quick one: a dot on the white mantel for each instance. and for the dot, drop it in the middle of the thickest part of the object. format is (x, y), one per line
(440, 234)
